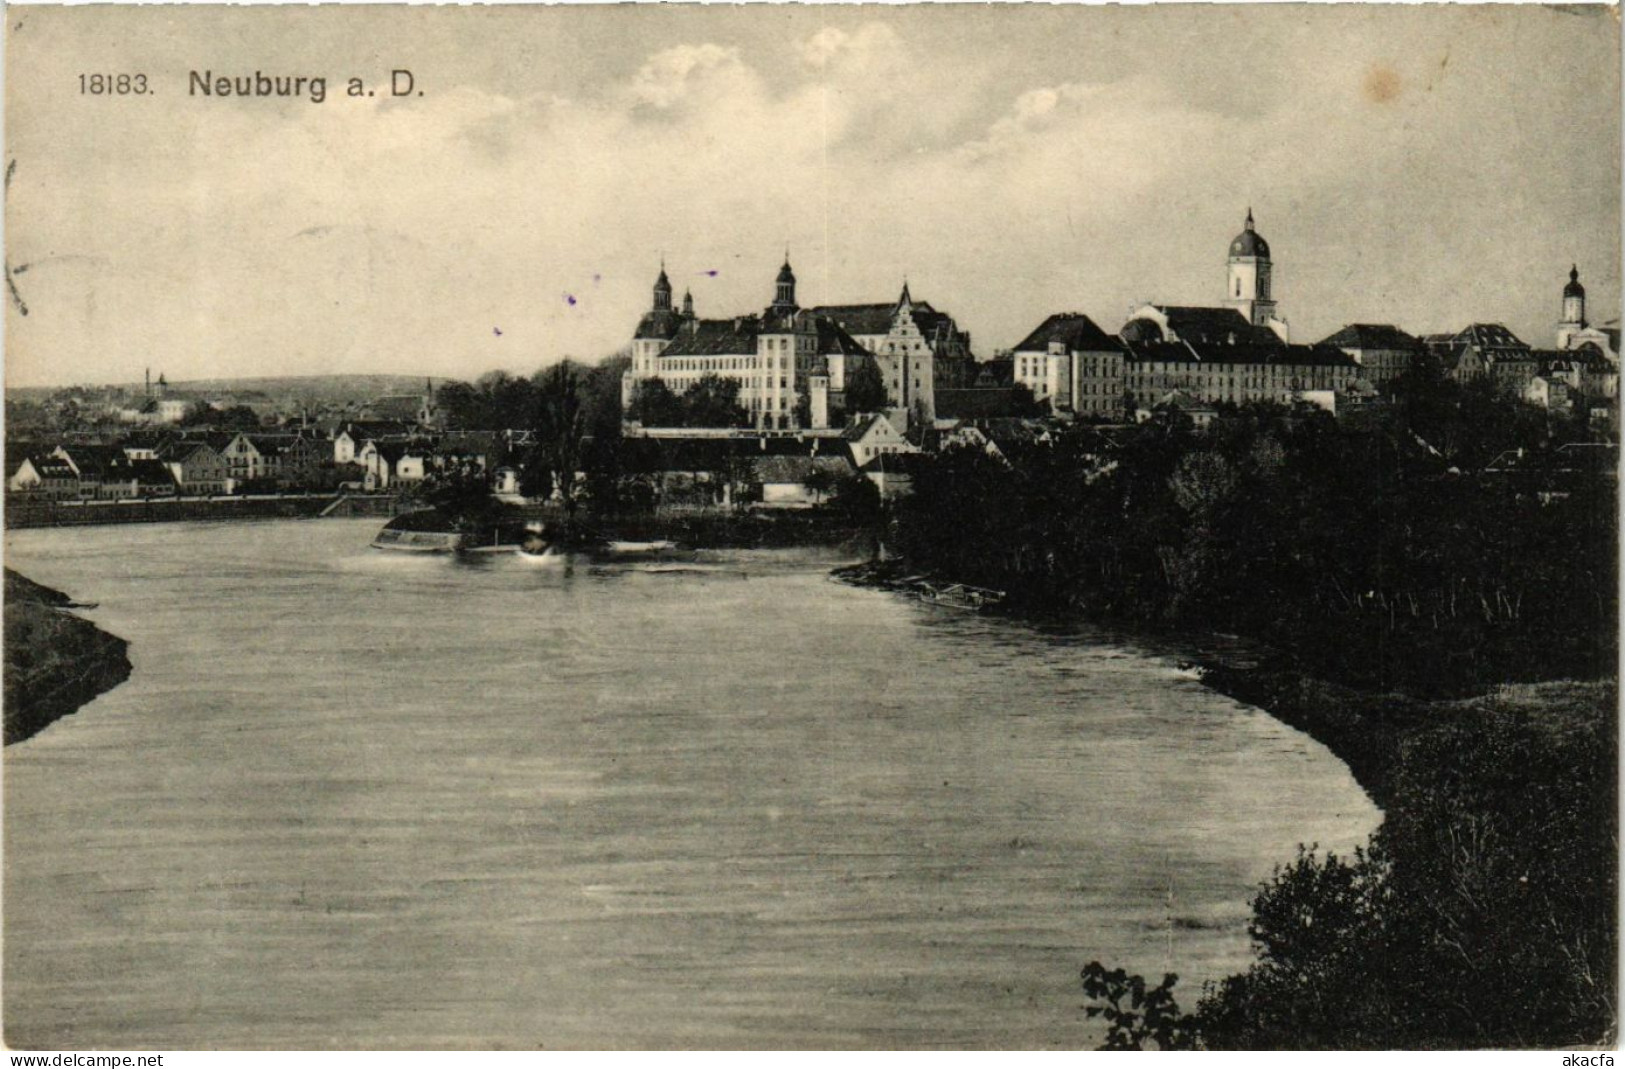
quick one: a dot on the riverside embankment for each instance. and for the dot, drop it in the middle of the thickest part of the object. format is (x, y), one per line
(55, 661)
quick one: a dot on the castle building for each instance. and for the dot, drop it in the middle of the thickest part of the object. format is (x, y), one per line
(788, 361)
(792, 363)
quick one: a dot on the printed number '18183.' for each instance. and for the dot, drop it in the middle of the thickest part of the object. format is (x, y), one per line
(98, 85)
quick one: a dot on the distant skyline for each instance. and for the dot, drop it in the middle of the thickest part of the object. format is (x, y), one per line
(1422, 166)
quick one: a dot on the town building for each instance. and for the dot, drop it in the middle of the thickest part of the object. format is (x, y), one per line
(1485, 351)
(1384, 352)
(1072, 365)
(197, 467)
(876, 435)
(48, 477)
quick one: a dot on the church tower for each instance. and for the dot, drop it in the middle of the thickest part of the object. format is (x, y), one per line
(784, 292)
(1248, 287)
(1574, 301)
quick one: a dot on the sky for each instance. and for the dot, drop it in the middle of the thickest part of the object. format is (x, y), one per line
(1423, 166)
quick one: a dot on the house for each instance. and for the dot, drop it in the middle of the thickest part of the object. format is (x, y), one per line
(1179, 402)
(89, 462)
(388, 464)
(48, 477)
(1550, 392)
(798, 481)
(350, 436)
(873, 436)
(152, 478)
(197, 467)
(255, 458)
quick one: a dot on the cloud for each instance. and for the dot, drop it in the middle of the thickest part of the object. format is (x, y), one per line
(1007, 178)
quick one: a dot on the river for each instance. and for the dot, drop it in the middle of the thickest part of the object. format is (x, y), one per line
(354, 800)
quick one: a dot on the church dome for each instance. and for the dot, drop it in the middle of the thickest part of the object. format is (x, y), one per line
(1574, 289)
(1249, 242)
(785, 274)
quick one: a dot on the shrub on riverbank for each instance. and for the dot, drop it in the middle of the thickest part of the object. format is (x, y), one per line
(1481, 915)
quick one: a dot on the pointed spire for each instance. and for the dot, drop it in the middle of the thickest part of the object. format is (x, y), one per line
(1574, 273)
(1249, 217)
(905, 300)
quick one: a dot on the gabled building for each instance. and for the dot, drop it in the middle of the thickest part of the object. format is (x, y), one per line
(45, 476)
(918, 348)
(196, 466)
(1072, 365)
(873, 436)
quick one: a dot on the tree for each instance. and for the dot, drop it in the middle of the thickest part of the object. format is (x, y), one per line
(865, 388)
(559, 428)
(713, 401)
(819, 481)
(654, 405)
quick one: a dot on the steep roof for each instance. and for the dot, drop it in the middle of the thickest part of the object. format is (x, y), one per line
(1197, 323)
(833, 339)
(1074, 330)
(1372, 336)
(859, 318)
(715, 337)
(1490, 336)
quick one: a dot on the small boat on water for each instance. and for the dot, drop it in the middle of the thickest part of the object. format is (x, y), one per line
(959, 596)
(543, 543)
(433, 531)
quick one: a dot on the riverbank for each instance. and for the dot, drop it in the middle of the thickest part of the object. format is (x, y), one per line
(55, 661)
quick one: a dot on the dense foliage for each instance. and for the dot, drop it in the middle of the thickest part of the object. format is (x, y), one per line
(711, 401)
(1481, 915)
(1376, 552)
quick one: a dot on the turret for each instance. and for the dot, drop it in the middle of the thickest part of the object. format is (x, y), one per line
(688, 305)
(662, 290)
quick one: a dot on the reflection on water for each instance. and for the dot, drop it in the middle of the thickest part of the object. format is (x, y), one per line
(350, 799)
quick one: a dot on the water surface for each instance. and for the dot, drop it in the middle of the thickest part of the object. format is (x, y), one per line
(348, 799)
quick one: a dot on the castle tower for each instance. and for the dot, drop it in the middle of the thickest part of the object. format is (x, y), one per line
(1248, 287)
(688, 305)
(1574, 300)
(784, 296)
